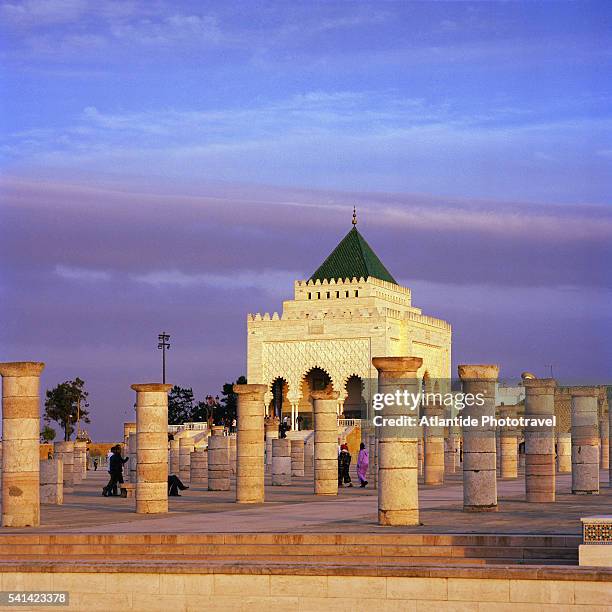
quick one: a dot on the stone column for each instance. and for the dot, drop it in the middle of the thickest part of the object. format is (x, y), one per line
(250, 467)
(65, 452)
(421, 455)
(186, 447)
(604, 437)
(218, 460)
(199, 467)
(609, 396)
(585, 441)
(232, 454)
(281, 462)
(398, 493)
(451, 451)
(51, 481)
(539, 440)
(297, 457)
(309, 457)
(20, 433)
(508, 446)
(373, 459)
(479, 475)
(433, 448)
(325, 405)
(129, 427)
(564, 453)
(174, 463)
(80, 461)
(132, 454)
(151, 448)
(271, 429)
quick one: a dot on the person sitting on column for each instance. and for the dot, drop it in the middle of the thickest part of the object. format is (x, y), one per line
(344, 462)
(115, 469)
(174, 485)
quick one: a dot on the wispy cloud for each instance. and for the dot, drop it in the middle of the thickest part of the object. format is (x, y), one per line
(81, 274)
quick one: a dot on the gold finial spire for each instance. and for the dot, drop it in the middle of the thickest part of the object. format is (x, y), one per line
(354, 216)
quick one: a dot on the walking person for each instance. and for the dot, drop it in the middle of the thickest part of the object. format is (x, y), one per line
(115, 470)
(344, 462)
(95, 464)
(363, 461)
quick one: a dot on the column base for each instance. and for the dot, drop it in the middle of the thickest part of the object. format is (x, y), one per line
(481, 508)
(398, 517)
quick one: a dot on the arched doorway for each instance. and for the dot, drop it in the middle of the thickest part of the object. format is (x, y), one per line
(316, 379)
(354, 405)
(279, 402)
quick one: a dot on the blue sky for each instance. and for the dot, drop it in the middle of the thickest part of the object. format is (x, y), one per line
(175, 165)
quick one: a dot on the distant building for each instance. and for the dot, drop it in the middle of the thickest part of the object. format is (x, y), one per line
(350, 310)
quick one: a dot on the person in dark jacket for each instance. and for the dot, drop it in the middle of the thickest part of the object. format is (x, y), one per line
(115, 469)
(175, 485)
(344, 462)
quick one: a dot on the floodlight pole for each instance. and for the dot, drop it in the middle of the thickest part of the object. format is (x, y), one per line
(163, 344)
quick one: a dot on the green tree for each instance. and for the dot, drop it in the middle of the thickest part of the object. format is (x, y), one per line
(229, 401)
(47, 434)
(180, 405)
(66, 404)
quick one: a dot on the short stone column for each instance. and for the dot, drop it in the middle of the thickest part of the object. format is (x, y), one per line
(539, 440)
(51, 481)
(564, 453)
(186, 447)
(373, 459)
(585, 441)
(129, 427)
(451, 451)
(271, 425)
(604, 437)
(309, 457)
(508, 447)
(398, 493)
(151, 448)
(79, 467)
(297, 457)
(65, 452)
(20, 433)
(199, 467)
(479, 474)
(433, 449)
(132, 455)
(281, 462)
(250, 467)
(325, 404)
(218, 460)
(174, 456)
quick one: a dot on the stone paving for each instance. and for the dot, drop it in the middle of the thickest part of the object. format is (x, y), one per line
(295, 509)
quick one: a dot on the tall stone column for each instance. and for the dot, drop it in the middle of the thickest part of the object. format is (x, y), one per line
(421, 455)
(609, 397)
(479, 474)
(451, 451)
(151, 448)
(250, 467)
(564, 453)
(174, 462)
(129, 427)
(297, 457)
(20, 433)
(80, 461)
(186, 447)
(132, 455)
(232, 454)
(539, 439)
(271, 429)
(508, 446)
(281, 462)
(199, 467)
(433, 450)
(604, 437)
(398, 493)
(218, 460)
(585, 441)
(65, 452)
(373, 460)
(51, 481)
(325, 404)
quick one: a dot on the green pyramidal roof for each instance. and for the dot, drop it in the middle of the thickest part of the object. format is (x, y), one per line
(353, 257)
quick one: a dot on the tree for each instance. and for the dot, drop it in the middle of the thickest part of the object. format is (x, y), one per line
(180, 405)
(47, 434)
(229, 401)
(66, 404)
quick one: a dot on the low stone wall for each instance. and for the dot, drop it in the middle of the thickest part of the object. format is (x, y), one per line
(134, 586)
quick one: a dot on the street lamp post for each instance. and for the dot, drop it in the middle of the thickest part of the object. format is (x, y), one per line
(163, 344)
